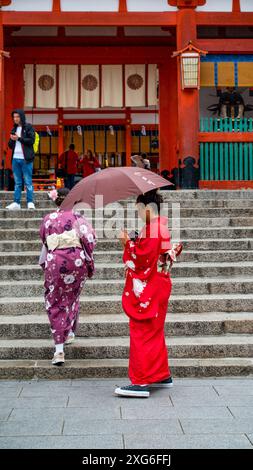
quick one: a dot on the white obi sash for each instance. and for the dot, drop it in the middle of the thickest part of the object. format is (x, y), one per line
(67, 239)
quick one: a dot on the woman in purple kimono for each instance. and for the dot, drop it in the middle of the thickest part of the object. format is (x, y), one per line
(67, 260)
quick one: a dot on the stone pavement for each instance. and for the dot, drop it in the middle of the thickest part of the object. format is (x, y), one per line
(85, 414)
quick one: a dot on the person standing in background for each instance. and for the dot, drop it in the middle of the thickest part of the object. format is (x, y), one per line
(21, 143)
(68, 162)
(89, 164)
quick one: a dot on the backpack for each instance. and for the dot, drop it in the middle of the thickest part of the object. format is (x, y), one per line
(36, 142)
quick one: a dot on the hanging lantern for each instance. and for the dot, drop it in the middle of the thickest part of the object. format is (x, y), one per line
(190, 65)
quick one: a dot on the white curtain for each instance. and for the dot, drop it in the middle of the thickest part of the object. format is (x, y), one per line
(68, 86)
(28, 79)
(135, 83)
(90, 86)
(46, 86)
(152, 85)
(112, 89)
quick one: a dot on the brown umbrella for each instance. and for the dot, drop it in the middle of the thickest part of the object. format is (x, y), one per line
(113, 184)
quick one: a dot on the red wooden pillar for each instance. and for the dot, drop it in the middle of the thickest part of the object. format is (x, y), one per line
(168, 114)
(128, 138)
(60, 133)
(1, 91)
(9, 90)
(188, 99)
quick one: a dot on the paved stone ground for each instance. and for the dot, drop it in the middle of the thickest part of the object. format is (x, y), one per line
(85, 414)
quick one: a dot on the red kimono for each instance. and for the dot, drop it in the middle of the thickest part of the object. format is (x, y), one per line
(89, 166)
(145, 301)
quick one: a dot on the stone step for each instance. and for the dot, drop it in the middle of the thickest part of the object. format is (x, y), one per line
(116, 256)
(228, 345)
(185, 203)
(184, 213)
(214, 323)
(207, 244)
(181, 286)
(107, 304)
(84, 368)
(116, 271)
(175, 195)
(185, 233)
(134, 223)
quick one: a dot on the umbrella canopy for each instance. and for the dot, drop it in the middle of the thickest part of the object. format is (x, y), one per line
(113, 184)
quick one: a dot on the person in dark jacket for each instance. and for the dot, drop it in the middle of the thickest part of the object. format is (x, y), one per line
(21, 142)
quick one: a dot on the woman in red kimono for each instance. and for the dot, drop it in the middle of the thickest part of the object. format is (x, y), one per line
(145, 300)
(89, 164)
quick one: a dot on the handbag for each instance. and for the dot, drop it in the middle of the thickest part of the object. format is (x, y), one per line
(60, 173)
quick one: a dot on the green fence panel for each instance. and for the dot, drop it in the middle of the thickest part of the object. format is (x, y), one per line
(216, 161)
(221, 145)
(211, 172)
(207, 161)
(250, 161)
(202, 161)
(246, 162)
(226, 159)
(240, 161)
(231, 161)
(236, 161)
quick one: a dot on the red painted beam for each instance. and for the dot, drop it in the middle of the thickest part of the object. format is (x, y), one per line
(225, 184)
(224, 19)
(13, 18)
(91, 55)
(226, 45)
(67, 41)
(95, 122)
(225, 137)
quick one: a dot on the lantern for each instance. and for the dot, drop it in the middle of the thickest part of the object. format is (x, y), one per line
(190, 65)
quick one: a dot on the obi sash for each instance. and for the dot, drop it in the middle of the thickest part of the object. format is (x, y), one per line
(67, 239)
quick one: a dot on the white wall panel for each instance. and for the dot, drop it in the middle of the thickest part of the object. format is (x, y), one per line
(149, 5)
(217, 5)
(90, 5)
(29, 5)
(246, 5)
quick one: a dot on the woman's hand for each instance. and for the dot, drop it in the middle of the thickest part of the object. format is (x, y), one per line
(123, 237)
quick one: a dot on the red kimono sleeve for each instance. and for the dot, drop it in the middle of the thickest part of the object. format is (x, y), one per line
(141, 256)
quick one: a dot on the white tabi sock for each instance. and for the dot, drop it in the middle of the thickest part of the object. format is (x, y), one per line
(59, 348)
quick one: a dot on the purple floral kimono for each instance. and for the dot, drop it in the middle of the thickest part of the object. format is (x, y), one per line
(66, 271)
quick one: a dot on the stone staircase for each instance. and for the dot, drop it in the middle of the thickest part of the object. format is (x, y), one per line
(210, 321)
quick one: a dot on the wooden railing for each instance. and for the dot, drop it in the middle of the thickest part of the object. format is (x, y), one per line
(226, 149)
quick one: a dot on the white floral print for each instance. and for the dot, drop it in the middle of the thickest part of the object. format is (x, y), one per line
(69, 279)
(145, 305)
(82, 255)
(78, 263)
(50, 257)
(138, 287)
(53, 216)
(83, 229)
(130, 264)
(90, 238)
(48, 223)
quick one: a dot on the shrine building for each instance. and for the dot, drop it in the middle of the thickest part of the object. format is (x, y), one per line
(172, 79)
